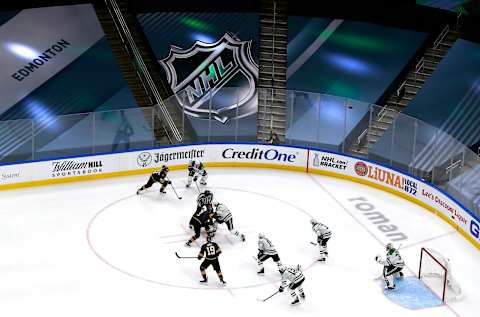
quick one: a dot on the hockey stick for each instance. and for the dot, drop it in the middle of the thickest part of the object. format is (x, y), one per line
(171, 184)
(313, 243)
(185, 257)
(198, 188)
(264, 300)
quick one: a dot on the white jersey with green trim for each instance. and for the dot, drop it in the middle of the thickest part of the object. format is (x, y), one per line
(292, 275)
(322, 231)
(266, 246)
(223, 213)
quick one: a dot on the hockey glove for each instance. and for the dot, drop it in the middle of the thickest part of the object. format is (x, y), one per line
(195, 178)
(199, 257)
(280, 289)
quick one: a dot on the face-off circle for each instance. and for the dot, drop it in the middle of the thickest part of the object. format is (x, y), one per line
(139, 235)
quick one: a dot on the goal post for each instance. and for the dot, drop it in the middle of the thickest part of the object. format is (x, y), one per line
(435, 271)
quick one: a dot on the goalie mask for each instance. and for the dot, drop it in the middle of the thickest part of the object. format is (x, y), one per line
(390, 248)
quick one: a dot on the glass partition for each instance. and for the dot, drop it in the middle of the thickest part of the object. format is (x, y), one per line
(123, 130)
(66, 135)
(311, 119)
(16, 142)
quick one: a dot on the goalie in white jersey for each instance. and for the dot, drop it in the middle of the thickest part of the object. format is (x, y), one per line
(292, 277)
(195, 170)
(392, 266)
(323, 235)
(223, 215)
(267, 250)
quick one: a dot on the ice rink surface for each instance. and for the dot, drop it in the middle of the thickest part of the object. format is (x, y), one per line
(94, 248)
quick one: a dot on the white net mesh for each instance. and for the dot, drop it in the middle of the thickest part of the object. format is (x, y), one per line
(433, 269)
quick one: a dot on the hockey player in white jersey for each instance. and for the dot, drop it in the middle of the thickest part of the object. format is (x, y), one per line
(195, 170)
(392, 266)
(267, 250)
(223, 215)
(323, 235)
(292, 277)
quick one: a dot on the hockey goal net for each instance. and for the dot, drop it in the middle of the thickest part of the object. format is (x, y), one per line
(435, 271)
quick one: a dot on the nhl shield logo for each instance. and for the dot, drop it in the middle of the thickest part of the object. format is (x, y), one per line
(200, 76)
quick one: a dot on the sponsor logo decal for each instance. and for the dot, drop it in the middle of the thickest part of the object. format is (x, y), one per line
(197, 75)
(438, 200)
(144, 159)
(257, 154)
(8, 176)
(377, 218)
(74, 168)
(361, 169)
(474, 229)
(161, 157)
(387, 177)
(329, 161)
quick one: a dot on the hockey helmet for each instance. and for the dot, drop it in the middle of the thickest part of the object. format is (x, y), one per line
(207, 192)
(313, 221)
(215, 204)
(165, 168)
(389, 247)
(209, 237)
(281, 269)
(261, 235)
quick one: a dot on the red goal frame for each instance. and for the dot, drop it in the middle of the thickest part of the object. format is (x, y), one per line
(425, 251)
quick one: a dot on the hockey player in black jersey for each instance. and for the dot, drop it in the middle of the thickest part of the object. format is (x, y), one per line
(158, 176)
(210, 251)
(201, 219)
(205, 199)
